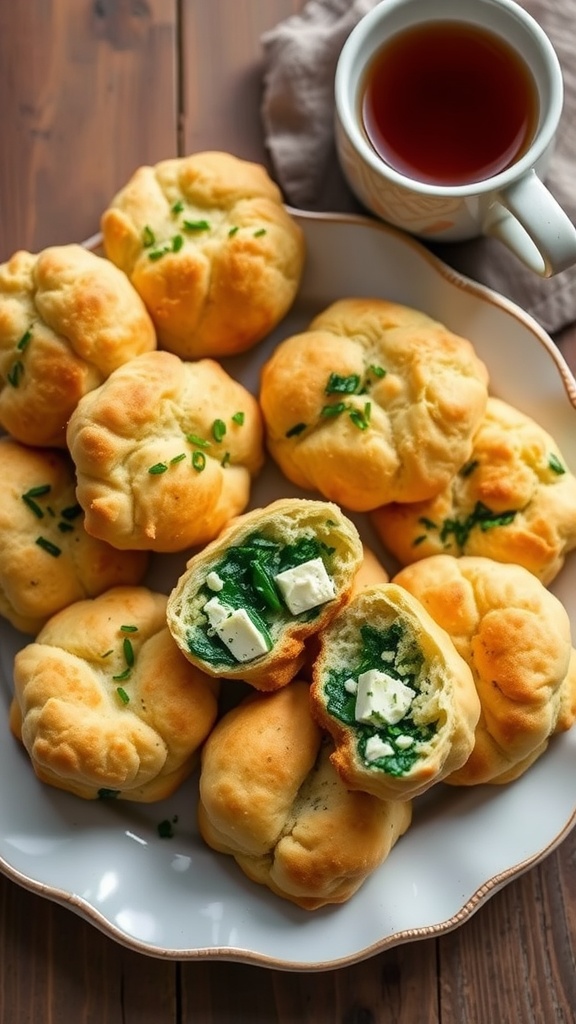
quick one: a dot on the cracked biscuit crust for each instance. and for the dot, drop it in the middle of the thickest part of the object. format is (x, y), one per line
(375, 402)
(207, 243)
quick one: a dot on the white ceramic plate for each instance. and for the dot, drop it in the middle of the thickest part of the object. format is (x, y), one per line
(174, 897)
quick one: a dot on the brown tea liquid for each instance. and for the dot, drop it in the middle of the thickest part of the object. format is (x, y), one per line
(449, 103)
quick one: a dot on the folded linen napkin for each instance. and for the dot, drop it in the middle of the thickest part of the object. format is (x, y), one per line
(300, 57)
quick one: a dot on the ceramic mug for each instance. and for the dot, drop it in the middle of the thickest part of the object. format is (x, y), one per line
(511, 204)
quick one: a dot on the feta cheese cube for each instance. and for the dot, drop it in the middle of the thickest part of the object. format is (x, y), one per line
(241, 636)
(213, 581)
(377, 748)
(381, 698)
(215, 611)
(404, 742)
(305, 586)
(351, 686)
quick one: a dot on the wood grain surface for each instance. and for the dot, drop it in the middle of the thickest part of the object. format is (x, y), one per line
(89, 90)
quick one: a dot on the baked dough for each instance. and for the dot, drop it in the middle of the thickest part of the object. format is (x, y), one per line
(373, 403)
(47, 560)
(270, 797)
(397, 698)
(248, 602)
(515, 636)
(513, 501)
(208, 244)
(165, 452)
(68, 318)
(106, 705)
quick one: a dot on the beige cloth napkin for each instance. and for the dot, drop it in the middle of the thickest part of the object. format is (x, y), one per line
(300, 57)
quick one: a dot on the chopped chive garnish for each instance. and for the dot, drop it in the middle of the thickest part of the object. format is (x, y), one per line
(107, 653)
(295, 430)
(157, 254)
(360, 419)
(65, 527)
(233, 231)
(128, 629)
(122, 676)
(48, 546)
(198, 461)
(148, 237)
(38, 492)
(14, 375)
(218, 430)
(177, 243)
(128, 651)
(157, 468)
(71, 512)
(238, 418)
(555, 464)
(25, 340)
(338, 384)
(122, 694)
(333, 410)
(177, 207)
(177, 458)
(469, 468)
(260, 232)
(225, 461)
(196, 225)
(200, 442)
(33, 506)
(376, 371)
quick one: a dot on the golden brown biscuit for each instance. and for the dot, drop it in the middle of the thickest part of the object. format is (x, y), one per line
(375, 402)
(515, 636)
(397, 698)
(67, 319)
(249, 601)
(207, 243)
(513, 501)
(106, 705)
(47, 560)
(165, 452)
(270, 798)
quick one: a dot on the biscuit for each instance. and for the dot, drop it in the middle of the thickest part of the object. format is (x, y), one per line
(165, 452)
(270, 798)
(373, 403)
(513, 501)
(68, 318)
(248, 602)
(396, 697)
(47, 560)
(515, 636)
(105, 704)
(207, 243)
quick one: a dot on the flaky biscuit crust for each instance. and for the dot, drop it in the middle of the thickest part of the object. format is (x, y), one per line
(207, 243)
(514, 501)
(446, 698)
(153, 471)
(286, 520)
(270, 797)
(406, 428)
(515, 636)
(85, 736)
(68, 318)
(47, 560)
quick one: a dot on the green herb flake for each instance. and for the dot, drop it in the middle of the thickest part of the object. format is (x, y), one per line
(157, 468)
(71, 512)
(196, 225)
(198, 461)
(338, 384)
(361, 418)
(331, 411)
(419, 540)
(177, 243)
(157, 254)
(25, 340)
(218, 430)
(469, 468)
(177, 207)
(239, 418)
(555, 465)
(128, 629)
(122, 694)
(35, 492)
(65, 527)
(200, 442)
(377, 371)
(233, 231)
(128, 651)
(107, 653)
(148, 237)
(48, 546)
(297, 429)
(14, 375)
(177, 458)
(260, 232)
(226, 460)
(122, 676)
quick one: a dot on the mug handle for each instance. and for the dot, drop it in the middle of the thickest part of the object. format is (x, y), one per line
(528, 220)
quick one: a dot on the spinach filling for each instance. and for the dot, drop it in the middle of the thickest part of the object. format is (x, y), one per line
(388, 650)
(247, 574)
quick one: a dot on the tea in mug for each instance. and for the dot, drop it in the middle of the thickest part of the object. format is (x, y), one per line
(449, 103)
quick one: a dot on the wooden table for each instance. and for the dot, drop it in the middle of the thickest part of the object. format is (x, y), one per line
(89, 90)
